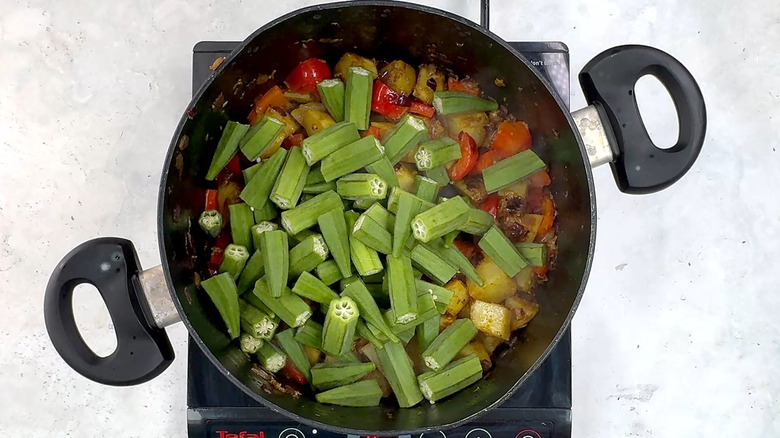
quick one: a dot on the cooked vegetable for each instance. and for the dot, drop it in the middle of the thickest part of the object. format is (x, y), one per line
(477, 349)
(534, 253)
(271, 358)
(426, 309)
(361, 186)
(327, 141)
(351, 60)
(459, 296)
(427, 331)
(351, 158)
(493, 319)
(511, 170)
(328, 271)
(210, 222)
(334, 229)
(339, 328)
(451, 379)
(406, 135)
(308, 286)
(259, 187)
(429, 80)
(372, 234)
(274, 97)
(399, 76)
(511, 138)
(241, 221)
(294, 352)
(313, 118)
(249, 344)
(368, 309)
(384, 169)
(498, 247)
(442, 296)
(310, 334)
(305, 214)
(429, 262)
(256, 322)
(222, 290)
(288, 188)
(439, 174)
(357, 97)
(403, 292)
(425, 188)
(498, 286)
(306, 75)
(469, 155)
(474, 124)
(436, 153)
(306, 255)
(290, 126)
(449, 342)
(365, 259)
(406, 174)
(328, 376)
(289, 307)
(266, 213)
(253, 270)
(440, 220)
(226, 148)
(274, 247)
(358, 394)
(260, 137)
(261, 227)
(386, 101)
(455, 102)
(522, 307)
(397, 368)
(332, 93)
(234, 260)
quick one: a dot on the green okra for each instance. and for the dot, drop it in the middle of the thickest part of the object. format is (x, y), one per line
(332, 93)
(384, 169)
(258, 189)
(425, 188)
(456, 258)
(372, 234)
(316, 189)
(363, 204)
(315, 175)
(309, 286)
(439, 174)
(249, 344)
(406, 336)
(397, 368)
(403, 292)
(361, 186)
(254, 300)
(305, 214)
(441, 295)
(328, 271)
(501, 250)
(368, 308)
(275, 250)
(395, 196)
(266, 213)
(364, 332)
(328, 141)
(407, 134)
(241, 220)
(256, 322)
(409, 206)
(427, 331)
(449, 342)
(454, 377)
(310, 334)
(294, 351)
(431, 264)
(339, 328)
(478, 222)
(359, 394)
(435, 153)
(288, 187)
(331, 375)
(450, 237)
(271, 358)
(223, 293)
(351, 158)
(456, 102)
(510, 170)
(226, 148)
(365, 259)
(288, 306)
(357, 97)
(534, 253)
(333, 226)
(426, 309)
(260, 137)
(440, 220)
(306, 255)
(251, 171)
(381, 216)
(234, 260)
(261, 227)
(300, 237)
(210, 222)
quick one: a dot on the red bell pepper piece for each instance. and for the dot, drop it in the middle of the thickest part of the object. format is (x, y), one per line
(487, 159)
(490, 205)
(372, 130)
(305, 77)
(212, 200)
(271, 98)
(293, 140)
(540, 179)
(218, 250)
(466, 86)
(541, 270)
(469, 154)
(234, 165)
(293, 373)
(511, 138)
(422, 109)
(387, 102)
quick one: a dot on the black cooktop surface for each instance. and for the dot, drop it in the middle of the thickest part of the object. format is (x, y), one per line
(541, 408)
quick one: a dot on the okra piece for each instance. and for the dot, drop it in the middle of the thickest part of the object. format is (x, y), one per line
(349, 357)
(223, 293)
(331, 375)
(406, 336)
(409, 206)
(359, 394)
(251, 171)
(456, 376)
(258, 189)
(456, 102)
(339, 328)
(436, 153)
(407, 134)
(241, 221)
(395, 196)
(501, 250)
(374, 278)
(425, 188)
(333, 227)
(300, 237)
(305, 214)
(256, 322)
(440, 220)
(253, 270)
(329, 271)
(351, 158)
(365, 259)
(427, 331)
(226, 148)
(363, 204)
(397, 368)
(534, 253)
(289, 307)
(328, 141)
(439, 174)
(210, 222)
(357, 97)
(260, 137)
(382, 216)
(294, 351)
(234, 260)
(289, 186)
(332, 93)
(372, 234)
(441, 295)
(271, 358)
(310, 334)
(363, 331)
(309, 286)
(403, 293)
(306, 255)
(379, 293)
(510, 170)
(275, 250)
(249, 344)
(426, 309)
(266, 213)
(384, 169)
(259, 229)
(315, 175)
(456, 258)
(361, 186)
(478, 222)
(321, 187)
(254, 300)
(367, 307)
(432, 265)
(449, 342)
(450, 237)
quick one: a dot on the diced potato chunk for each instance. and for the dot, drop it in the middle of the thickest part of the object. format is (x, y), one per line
(493, 319)
(312, 354)
(472, 123)
(490, 342)
(405, 175)
(531, 222)
(525, 279)
(290, 126)
(313, 117)
(476, 347)
(523, 308)
(428, 75)
(498, 286)
(383, 127)
(445, 321)
(352, 60)
(399, 76)
(460, 296)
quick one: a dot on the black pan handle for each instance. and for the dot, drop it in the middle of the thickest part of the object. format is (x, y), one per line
(608, 83)
(111, 265)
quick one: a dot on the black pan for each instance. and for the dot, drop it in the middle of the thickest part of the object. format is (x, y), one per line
(610, 130)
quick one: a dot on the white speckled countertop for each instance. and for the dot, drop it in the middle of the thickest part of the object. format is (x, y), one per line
(677, 334)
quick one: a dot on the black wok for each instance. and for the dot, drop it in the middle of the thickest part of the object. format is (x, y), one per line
(141, 303)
